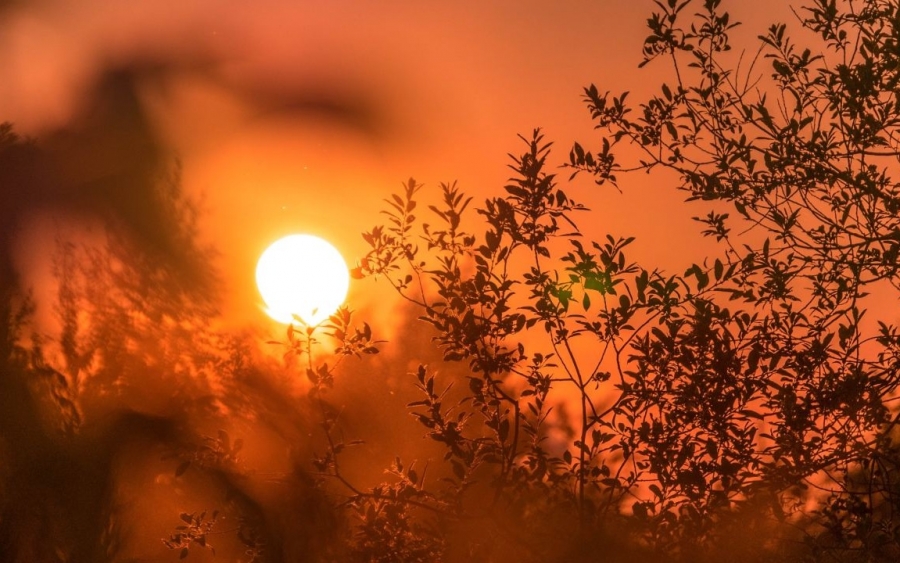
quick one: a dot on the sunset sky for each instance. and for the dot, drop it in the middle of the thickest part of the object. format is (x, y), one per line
(149, 341)
(301, 117)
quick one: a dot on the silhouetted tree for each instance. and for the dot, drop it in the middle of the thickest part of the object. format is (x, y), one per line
(744, 405)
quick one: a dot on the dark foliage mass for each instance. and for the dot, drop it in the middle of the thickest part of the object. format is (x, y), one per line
(580, 406)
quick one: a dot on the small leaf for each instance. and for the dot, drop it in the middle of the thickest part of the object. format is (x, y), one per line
(179, 471)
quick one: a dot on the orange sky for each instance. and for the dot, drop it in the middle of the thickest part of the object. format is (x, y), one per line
(302, 116)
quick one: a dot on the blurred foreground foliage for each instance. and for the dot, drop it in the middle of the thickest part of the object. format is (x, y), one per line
(586, 407)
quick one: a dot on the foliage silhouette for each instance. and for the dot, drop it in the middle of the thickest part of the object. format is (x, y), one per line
(740, 393)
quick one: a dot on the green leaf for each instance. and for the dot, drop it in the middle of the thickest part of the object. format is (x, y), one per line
(594, 283)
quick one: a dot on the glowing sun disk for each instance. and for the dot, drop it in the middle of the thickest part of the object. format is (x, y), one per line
(302, 275)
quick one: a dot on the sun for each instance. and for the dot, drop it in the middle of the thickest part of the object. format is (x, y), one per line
(302, 275)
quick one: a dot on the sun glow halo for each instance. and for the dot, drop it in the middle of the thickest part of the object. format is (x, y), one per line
(302, 275)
